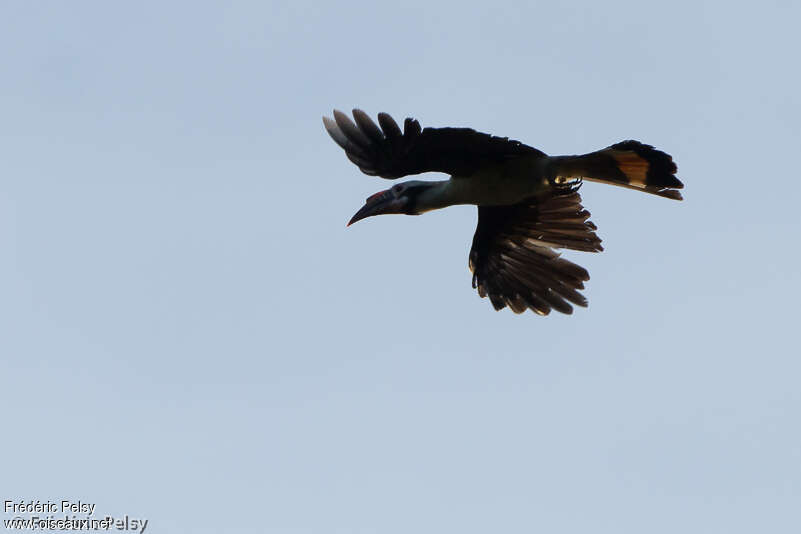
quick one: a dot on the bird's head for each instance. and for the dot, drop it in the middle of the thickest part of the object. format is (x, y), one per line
(400, 198)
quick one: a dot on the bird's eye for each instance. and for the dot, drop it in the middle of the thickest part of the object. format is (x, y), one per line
(397, 189)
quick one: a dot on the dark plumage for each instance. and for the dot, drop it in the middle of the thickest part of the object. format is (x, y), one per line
(512, 257)
(528, 204)
(455, 151)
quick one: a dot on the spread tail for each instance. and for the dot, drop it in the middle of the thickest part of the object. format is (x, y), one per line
(627, 164)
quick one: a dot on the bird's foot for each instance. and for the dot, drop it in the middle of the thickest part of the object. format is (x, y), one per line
(568, 183)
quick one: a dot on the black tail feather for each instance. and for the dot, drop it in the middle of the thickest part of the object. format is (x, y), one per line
(628, 164)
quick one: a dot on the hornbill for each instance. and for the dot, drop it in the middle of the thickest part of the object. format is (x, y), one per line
(528, 202)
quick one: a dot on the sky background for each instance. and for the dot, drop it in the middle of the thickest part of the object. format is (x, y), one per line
(190, 334)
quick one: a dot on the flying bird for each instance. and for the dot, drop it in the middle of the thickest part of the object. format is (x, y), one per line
(528, 202)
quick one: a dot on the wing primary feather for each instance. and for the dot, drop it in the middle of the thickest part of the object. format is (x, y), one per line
(390, 127)
(350, 130)
(367, 126)
(342, 140)
(411, 128)
(335, 133)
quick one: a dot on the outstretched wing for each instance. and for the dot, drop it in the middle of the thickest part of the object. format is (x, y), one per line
(513, 261)
(389, 153)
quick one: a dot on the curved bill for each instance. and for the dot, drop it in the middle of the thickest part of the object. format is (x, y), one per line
(381, 203)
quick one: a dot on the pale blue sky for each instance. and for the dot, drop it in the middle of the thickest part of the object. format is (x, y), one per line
(191, 335)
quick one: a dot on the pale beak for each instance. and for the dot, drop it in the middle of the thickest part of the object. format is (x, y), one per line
(381, 203)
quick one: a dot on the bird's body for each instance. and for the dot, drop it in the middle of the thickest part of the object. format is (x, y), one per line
(508, 183)
(527, 201)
